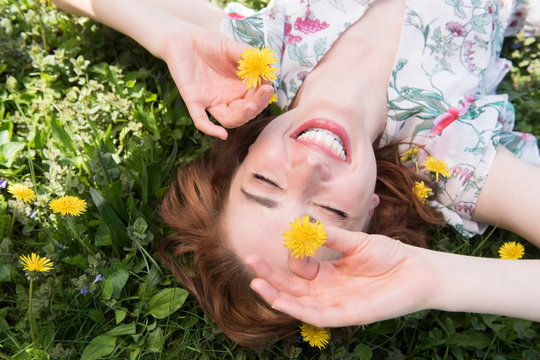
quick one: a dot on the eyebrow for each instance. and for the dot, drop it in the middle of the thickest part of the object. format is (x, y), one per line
(266, 202)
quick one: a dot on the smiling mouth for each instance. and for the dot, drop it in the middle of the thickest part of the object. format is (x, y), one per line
(325, 139)
(325, 135)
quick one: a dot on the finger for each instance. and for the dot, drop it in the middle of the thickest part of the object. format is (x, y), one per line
(287, 302)
(318, 315)
(203, 123)
(344, 241)
(233, 49)
(235, 114)
(282, 282)
(261, 96)
(307, 268)
(265, 290)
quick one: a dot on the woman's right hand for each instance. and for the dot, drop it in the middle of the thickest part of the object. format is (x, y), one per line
(204, 64)
(377, 278)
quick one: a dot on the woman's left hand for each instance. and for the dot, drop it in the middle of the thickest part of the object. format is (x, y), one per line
(377, 278)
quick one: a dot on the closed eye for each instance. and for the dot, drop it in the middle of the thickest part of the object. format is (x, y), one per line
(266, 180)
(338, 212)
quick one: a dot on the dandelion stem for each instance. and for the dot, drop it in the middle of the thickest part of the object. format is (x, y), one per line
(30, 314)
(14, 215)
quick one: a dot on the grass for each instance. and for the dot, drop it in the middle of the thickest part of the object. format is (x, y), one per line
(86, 112)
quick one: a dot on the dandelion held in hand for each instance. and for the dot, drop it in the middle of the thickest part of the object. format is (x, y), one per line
(304, 237)
(22, 192)
(314, 336)
(71, 205)
(256, 65)
(436, 166)
(35, 262)
(511, 250)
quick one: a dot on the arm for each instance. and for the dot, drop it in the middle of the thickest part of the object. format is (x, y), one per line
(202, 61)
(510, 197)
(379, 278)
(144, 21)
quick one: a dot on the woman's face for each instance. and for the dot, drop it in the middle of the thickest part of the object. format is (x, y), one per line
(315, 162)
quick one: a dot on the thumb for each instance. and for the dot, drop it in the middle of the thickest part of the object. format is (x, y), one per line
(233, 49)
(345, 241)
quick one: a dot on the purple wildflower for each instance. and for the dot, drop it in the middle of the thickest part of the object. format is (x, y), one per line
(32, 214)
(84, 291)
(98, 278)
(3, 183)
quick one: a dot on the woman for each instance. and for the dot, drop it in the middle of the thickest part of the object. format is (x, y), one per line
(318, 158)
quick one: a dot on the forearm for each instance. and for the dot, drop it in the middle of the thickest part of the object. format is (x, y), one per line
(142, 20)
(510, 197)
(494, 286)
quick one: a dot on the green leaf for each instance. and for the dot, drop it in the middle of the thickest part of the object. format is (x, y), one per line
(61, 134)
(148, 119)
(110, 218)
(470, 338)
(124, 329)
(103, 236)
(77, 260)
(9, 151)
(101, 345)
(166, 302)
(7, 272)
(155, 340)
(363, 352)
(34, 354)
(107, 290)
(118, 279)
(119, 315)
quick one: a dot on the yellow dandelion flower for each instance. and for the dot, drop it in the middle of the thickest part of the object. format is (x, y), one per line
(272, 99)
(421, 191)
(511, 250)
(410, 154)
(436, 166)
(71, 205)
(35, 262)
(256, 65)
(316, 337)
(22, 192)
(304, 237)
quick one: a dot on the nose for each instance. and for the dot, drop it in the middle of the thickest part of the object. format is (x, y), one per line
(307, 168)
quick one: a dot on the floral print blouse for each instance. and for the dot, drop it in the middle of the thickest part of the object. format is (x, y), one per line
(441, 94)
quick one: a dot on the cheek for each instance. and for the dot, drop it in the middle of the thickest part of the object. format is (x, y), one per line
(266, 152)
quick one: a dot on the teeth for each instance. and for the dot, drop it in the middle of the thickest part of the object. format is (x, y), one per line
(326, 138)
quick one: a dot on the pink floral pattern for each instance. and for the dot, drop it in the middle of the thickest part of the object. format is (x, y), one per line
(309, 24)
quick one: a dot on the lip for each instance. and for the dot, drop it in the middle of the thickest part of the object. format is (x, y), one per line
(329, 125)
